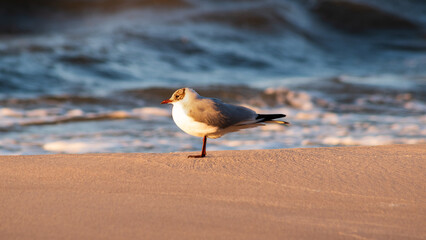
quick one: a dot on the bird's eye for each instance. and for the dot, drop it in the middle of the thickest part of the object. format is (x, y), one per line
(177, 96)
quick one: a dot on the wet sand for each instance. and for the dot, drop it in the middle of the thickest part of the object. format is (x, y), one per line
(312, 193)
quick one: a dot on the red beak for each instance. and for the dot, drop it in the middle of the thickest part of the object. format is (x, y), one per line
(166, 101)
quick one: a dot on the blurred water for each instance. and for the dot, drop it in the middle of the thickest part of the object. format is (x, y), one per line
(88, 76)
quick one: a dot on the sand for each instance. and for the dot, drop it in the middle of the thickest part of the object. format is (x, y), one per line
(312, 193)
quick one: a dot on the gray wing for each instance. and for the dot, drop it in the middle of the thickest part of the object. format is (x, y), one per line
(216, 113)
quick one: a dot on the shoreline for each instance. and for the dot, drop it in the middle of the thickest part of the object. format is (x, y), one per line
(374, 192)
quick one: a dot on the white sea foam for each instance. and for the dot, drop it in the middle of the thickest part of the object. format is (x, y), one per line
(76, 147)
(45, 116)
(311, 127)
(151, 112)
(300, 100)
(8, 112)
(307, 115)
(42, 112)
(75, 113)
(330, 118)
(366, 140)
(118, 114)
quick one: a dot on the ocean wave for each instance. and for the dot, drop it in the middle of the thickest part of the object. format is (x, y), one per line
(151, 129)
(357, 17)
(151, 47)
(237, 94)
(332, 95)
(10, 118)
(264, 18)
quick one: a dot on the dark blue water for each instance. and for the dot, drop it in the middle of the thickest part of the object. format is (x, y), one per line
(88, 76)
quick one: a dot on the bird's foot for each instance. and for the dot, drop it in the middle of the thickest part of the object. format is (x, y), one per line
(197, 156)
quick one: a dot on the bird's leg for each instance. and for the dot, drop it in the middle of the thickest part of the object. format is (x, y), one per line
(203, 152)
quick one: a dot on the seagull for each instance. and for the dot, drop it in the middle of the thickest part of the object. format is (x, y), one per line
(211, 118)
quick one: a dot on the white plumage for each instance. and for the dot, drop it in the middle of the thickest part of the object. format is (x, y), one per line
(188, 124)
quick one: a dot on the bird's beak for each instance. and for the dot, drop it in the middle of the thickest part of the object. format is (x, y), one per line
(166, 101)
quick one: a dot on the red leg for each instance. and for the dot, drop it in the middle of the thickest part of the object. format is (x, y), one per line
(203, 152)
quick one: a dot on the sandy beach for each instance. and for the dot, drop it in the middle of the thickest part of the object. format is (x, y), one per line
(310, 193)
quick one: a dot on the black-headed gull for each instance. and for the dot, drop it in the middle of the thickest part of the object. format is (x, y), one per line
(211, 118)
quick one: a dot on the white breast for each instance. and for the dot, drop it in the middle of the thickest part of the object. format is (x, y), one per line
(188, 124)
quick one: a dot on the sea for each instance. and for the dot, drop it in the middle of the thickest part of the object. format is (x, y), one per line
(88, 76)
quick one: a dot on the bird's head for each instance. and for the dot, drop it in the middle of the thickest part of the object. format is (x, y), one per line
(180, 95)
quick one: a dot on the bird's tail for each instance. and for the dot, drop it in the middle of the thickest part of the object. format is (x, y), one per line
(269, 118)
